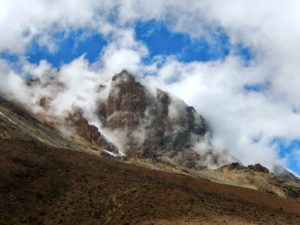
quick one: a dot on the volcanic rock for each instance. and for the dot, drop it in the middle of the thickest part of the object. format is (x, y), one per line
(259, 168)
(152, 123)
(89, 132)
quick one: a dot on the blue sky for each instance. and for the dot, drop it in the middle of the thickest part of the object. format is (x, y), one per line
(287, 150)
(160, 41)
(251, 61)
(158, 38)
(70, 45)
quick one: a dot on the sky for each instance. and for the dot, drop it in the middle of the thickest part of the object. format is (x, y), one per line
(235, 61)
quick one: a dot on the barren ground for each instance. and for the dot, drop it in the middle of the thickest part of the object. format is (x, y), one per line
(40, 184)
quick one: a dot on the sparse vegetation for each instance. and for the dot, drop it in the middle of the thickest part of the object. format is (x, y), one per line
(42, 182)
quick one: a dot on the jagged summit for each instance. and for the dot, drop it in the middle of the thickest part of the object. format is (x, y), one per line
(136, 121)
(51, 171)
(154, 124)
(131, 107)
(124, 116)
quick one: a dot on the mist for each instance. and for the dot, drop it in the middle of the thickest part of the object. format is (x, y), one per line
(243, 121)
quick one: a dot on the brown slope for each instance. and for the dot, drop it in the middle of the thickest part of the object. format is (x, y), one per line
(40, 184)
(18, 123)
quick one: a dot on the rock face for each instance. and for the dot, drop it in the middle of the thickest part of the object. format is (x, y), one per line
(258, 168)
(232, 166)
(237, 166)
(151, 123)
(139, 122)
(89, 132)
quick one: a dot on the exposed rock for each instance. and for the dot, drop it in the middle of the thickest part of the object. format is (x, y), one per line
(45, 102)
(233, 166)
(101, 112)
(259, 168)
(237, 166)
(153, 123)
(188, 158)
(46, 82)
(126, 102)
(89, 132)
(144, 123)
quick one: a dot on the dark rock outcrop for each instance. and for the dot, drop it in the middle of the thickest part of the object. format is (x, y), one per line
(237, 166)
(233, 166)
(152, 123)
(126, 104)
(141, 123)
(258, 168)
(89, 132)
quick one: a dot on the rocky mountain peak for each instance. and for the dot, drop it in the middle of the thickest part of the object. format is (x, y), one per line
(151, 123)
(137, 121)
(126, 103)
(88, 132)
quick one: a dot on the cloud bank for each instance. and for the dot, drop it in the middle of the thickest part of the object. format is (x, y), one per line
(248, 103)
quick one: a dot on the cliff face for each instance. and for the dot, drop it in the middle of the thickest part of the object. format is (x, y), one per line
(88, 132)
(138, 122)
(151, 123)
(62, 184)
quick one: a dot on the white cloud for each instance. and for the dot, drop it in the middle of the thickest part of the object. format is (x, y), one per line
(269, 27)
(236, 117)
(22, 20)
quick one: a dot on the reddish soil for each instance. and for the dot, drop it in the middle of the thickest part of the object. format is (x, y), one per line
(43, 185)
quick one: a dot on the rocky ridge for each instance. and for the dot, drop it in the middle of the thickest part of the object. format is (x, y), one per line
(140, 123)
(20, 128)
(151, 125)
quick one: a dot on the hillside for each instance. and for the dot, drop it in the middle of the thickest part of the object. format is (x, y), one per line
(45, 185)
(54, 181)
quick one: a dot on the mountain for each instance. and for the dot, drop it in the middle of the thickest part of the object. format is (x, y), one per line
(135, 121)
(280, 171)
(255, 177)
(143, 165)
(20, 124)
(50, 179)
(153, 124)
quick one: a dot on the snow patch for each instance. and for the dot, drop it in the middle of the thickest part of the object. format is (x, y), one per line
(113, 154)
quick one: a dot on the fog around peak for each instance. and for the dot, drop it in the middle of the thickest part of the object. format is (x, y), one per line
(248, 95)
